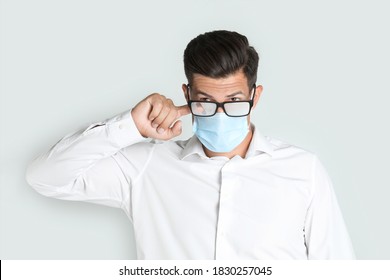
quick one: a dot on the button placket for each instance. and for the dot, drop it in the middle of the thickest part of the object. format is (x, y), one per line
(225, 189)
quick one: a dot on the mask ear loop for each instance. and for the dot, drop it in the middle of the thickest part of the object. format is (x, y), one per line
(188, 93)
(254, 91)
(189, 99)
(252, 98)
(250, 111)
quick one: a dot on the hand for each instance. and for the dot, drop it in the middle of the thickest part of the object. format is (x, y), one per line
(157, 117)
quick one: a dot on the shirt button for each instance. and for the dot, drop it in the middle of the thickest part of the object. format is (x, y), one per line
(121, 126)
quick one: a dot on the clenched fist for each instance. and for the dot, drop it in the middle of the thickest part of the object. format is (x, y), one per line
(157, 117)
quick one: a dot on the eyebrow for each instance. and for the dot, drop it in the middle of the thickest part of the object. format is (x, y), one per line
(208, 95)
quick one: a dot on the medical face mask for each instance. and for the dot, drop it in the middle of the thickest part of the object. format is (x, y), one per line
(220, 133)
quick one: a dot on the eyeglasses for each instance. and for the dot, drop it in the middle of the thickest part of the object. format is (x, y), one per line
(210, 108)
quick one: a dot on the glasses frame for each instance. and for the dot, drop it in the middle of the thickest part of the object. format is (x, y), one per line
(221, 104)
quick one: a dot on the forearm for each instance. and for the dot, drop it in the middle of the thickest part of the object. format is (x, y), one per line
(75, 153)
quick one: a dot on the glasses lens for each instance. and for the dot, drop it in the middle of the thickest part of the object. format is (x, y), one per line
(237, 108)
(203, 108)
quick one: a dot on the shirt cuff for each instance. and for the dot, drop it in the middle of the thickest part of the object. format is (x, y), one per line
(123, 129)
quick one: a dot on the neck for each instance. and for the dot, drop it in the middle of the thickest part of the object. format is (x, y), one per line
(240, 150)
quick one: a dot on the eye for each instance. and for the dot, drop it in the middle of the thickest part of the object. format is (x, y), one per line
(204, 99)
(235, 99)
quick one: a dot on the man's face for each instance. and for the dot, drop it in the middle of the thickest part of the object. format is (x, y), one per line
(232, 88)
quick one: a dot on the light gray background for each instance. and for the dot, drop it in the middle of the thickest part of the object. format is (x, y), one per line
(324, 66)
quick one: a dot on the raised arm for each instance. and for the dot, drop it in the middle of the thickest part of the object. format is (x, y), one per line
(88, 165)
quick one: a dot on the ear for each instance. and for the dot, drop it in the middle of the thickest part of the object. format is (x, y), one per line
(184, 88)
(259, 90)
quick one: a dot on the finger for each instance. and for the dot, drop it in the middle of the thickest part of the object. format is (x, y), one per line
(183, 110)
(175, 130)
(165, 110)
(168, 121)
(156, 109)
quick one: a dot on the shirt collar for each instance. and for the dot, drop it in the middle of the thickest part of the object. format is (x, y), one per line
(259, 144)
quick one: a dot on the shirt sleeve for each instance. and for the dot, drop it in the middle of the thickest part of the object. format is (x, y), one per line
(88, 165)
(326, 235)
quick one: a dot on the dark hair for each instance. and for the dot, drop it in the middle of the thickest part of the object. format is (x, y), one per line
(220, 53)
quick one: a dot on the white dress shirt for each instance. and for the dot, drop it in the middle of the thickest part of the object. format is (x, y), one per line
(277, 203)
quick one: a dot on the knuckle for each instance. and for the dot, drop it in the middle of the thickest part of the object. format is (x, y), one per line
(166, 108)
(152, 96)
(155, 97)
(164, 111)
(157, 104)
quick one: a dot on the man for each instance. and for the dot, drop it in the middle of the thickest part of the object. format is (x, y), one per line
(226, 193)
